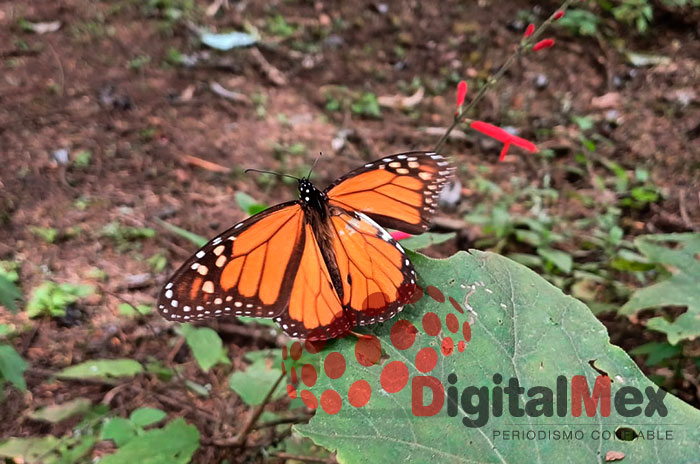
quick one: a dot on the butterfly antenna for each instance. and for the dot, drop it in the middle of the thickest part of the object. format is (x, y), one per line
(271, 172)
(320, 154)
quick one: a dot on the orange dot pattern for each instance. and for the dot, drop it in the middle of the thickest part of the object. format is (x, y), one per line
(394, 375)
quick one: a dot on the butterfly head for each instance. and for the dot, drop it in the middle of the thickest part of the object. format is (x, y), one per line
(310, 195)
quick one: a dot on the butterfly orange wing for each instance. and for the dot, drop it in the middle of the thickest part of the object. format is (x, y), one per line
(247, 270)
(399, 191)
(315, 311)
(378, 278)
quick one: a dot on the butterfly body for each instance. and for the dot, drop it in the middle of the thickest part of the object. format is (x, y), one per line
(322, 264)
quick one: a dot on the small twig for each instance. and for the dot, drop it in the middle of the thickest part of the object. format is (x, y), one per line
(283, 421)
(493, 80)
(240, 438)
(273, 74)
(204, 164)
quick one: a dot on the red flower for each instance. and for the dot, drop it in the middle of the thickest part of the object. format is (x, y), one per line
(507, 138)
(530, 29)
(461, 93)
(545, 43)
(398, 235)
(558, 14)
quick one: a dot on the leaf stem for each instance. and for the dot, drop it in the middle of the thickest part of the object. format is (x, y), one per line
(494, 79)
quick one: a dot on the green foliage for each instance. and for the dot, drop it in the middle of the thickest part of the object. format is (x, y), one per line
(139, 62)
(9, 292)
(253, 384)
(125, 237)
(125, 309)
(51, 450)
(579, 21)
(157, 262)
(657, 352)
(278, 26)
(198, 240)
(175, 443)
(121, 430)
(32, 450)
(52, 299)
(82, 158)
(143, 417)
(638, 13)
(364, 104)
(56, 413)
(12, 368)
(102, 368)
(680, 289)
(206, 346)
(47, 234)
(248, 204)
(367, 105)
(522, 327)
(419, 242)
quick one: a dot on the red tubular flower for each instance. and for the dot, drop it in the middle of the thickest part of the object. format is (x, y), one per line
(558, 14)
(507, 138)
(398, 235)
(545, 43)
(530, 29)
(461, 93)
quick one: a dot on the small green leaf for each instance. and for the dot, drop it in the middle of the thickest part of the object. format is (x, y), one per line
(102, 368)
(657, 352)
(119, 430)
(562, 260)
(47, 234)
(9, 294)
(253, 384)
(60, 412)
(418, 242)
(144, 417)
(173, 444)
(198, 240)
(82, 158)
(125, 309)
(249, 204)
(12, 367)
(206, 346)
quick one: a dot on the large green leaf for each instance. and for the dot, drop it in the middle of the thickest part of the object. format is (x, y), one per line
(175, 443)
(521, 327)
(681, 289)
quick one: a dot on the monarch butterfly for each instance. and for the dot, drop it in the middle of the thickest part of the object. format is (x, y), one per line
(322, 264)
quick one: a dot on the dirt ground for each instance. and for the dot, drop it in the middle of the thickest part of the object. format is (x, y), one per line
(122, 82)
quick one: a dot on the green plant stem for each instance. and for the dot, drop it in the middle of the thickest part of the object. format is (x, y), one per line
(493, 80)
